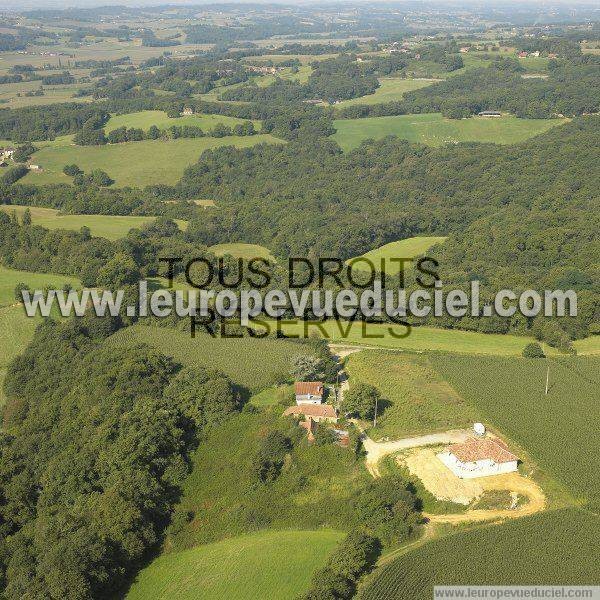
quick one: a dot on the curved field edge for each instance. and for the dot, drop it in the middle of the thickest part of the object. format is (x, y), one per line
(273, 564)
(553, 548)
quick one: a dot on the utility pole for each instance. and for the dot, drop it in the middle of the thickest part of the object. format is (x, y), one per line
(375, 417)
(547, 378)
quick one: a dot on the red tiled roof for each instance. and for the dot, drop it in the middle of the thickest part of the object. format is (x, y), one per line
(303, 388)
(311, 410)
(484, 449)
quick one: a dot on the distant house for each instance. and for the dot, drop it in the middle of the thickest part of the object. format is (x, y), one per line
(464, 49)
(536, 53)
(35, 168)
(522, 54)
(187, 112)
(316, 412)
(309, 392)
(479, 457)
(489, 113)
(552, 55)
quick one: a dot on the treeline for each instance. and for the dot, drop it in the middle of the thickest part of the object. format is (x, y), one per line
(331, 80)
(308, 199)
(572, 88)
(33, 123)
(135, 134)
(93, 453)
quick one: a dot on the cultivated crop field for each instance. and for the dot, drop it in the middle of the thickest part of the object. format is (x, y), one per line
(390, 90)
(559, 430)
(107, 226)
(434, 130)
(553, 548)
(272, 564)
(146, 118)
(245, 251)
(251, 363)
(419, 339)
(415, 398)
(133, 163)
(408, 248)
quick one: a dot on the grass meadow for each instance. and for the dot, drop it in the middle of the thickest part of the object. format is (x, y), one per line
(134, 164)
(408, 248)
(107, 226)
(146, 118)
(222, 497)
(433, 129)
(559, 430)
(415, 398)
(390, 90)
(552, 548)
(252, 363)
(270, 564)
(16, 329)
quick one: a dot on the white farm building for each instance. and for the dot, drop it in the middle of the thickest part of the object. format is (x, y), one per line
(478, 458)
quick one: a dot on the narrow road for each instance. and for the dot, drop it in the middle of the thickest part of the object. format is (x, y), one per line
(378, 450)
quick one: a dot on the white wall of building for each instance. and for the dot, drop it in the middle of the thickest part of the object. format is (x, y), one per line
(481, 468)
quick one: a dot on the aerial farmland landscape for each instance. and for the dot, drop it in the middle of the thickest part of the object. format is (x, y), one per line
(299, 300)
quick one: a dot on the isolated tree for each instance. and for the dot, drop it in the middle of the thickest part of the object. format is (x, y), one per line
(361, 399)
(533, 350)
(72, 170)
(27, 218)
(307, 367)
(19, 291)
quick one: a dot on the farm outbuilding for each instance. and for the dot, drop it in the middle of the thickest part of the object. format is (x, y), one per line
(322, 412)
(479, 458)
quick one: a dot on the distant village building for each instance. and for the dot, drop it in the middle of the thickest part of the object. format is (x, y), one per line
(522, 54)
(479, 457)
(319, 412)
(489, 113)
(35, 168)
(187, 111)
(464, 49)
(536, 53)
(262, 70)
(309, 392)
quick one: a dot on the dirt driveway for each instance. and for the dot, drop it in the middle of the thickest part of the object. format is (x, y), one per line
(378, 450)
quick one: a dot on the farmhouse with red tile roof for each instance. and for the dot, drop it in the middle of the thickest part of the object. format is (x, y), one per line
(317, 412)
(309, 392)
(479, 457)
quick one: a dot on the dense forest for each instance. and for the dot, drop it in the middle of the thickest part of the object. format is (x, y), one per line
(93, 451)
(572, 88)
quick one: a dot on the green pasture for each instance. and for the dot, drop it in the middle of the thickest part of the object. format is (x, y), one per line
(245, 251)
(271, 564)
(107, 226)
(434, 130)
(135, 164)
(9, 278)
(389, 90)
(415, 399)
(408, 248)
(146, 118)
